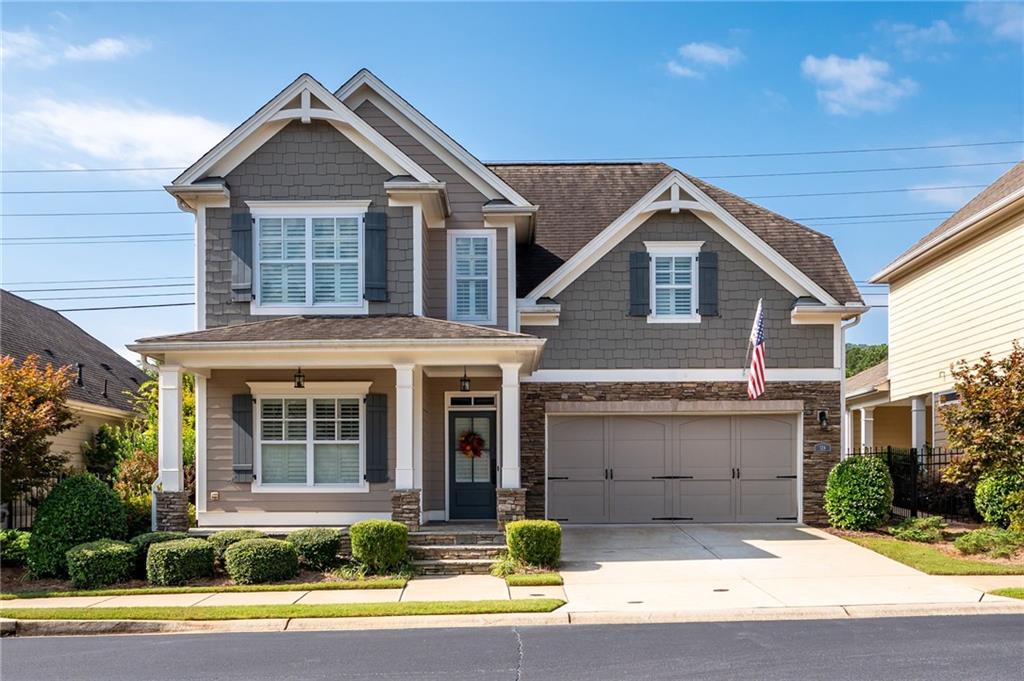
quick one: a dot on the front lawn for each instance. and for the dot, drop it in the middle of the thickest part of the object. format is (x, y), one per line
(287, 611)
(931, 560)
(1012, 592)
(534, 579)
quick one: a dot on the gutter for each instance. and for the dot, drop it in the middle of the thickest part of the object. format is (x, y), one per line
(843, 328)
(144, 347)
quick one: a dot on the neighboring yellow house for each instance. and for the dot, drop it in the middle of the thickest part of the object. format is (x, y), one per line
(954, 295)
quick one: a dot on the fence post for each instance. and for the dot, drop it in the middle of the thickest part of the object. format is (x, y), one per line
(914, 464)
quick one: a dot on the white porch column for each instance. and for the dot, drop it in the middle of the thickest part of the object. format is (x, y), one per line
(917, 424)
(867, 427)
(510, 478)
(169, 429)
(847, 432)
(417, 428)
(404, 419)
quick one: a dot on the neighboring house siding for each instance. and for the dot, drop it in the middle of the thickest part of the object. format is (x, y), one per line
(891, 427)
(71, 440)
(467, 213)
(965, 303)
(238, 497)
(596, 332)
(305, 163)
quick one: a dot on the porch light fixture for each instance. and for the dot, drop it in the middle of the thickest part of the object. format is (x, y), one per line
(464, 381)
(823, 419)
(299, 379)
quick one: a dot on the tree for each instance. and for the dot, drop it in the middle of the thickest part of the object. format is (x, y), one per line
(34, 404)
(861, 357)
(987, 422)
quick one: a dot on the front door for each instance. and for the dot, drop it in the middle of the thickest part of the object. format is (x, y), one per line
(472, 477)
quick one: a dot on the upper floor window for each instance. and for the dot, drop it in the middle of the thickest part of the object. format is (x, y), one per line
(472, 296)
(674, 281)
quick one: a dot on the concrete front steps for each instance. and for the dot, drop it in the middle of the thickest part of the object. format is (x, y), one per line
(437, 551)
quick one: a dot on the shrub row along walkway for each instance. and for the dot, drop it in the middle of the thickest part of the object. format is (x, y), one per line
(448, 588)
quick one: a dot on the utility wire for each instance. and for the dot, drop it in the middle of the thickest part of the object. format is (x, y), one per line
(92, 281)
(872, 222)
(80, 191)
(97, 288)
(104, 242)
(122, 307)
(89, 170)
(126, 295)
(858, 170)
(62, 215)
(875, 215)
(868, 191)
(91, 236)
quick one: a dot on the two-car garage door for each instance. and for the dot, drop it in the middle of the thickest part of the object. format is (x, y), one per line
(642, 469)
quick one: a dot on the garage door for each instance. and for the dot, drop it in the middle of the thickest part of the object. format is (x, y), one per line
(642, 469)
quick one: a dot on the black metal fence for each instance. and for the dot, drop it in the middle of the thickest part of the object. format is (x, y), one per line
(19, 513)
(919, 487)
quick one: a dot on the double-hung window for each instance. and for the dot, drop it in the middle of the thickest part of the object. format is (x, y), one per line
(472, 296)
(309, 258)
(674, 281)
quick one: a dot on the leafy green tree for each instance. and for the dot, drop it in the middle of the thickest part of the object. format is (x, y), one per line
(861, 357)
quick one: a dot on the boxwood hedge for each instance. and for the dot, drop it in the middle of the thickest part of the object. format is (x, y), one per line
(100, 563)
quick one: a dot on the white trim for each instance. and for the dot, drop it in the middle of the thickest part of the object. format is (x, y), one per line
(98, 410)
(417, 259)
(510, 266)
(200, 413)
(496, 408)
(675, 375)
(200, 311)
(800, 466)
(712, 214)
(404, 422)
(674, 249)
(492, 275)
(288, 209)
(428, 134)
(285, 518)
(509, 475)
(169, 420)
(243, 140)
(436, 516)
(314, 388)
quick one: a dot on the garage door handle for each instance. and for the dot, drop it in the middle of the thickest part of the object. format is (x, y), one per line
(558, 477)
(786, 477)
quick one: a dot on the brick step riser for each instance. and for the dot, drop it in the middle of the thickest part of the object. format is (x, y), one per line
(456, 552)
(455, 539)
(453, 569)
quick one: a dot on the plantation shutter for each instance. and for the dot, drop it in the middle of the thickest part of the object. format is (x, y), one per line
(241, 437)
(376, 437)
(707, 277)
(241, 257)
(375, 286)
(639, 284)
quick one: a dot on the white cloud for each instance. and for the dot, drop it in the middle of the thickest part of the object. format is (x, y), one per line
(774, 101)
(25, 47)
(128, 135)
(1004, 19)
(917, 42)
(711, 54)
(677, 69)
(851, 86)
(105, 49)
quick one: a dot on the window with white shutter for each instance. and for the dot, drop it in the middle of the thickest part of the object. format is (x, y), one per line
(674, 281)
(471, 283)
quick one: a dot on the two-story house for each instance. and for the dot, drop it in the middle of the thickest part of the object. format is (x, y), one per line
(389, 328)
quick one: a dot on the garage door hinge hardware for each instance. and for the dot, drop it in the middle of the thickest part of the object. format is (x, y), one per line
(671, 517)
(561, 520)
(786, 477)
(558, 477)
(670, 477)
(787, 517)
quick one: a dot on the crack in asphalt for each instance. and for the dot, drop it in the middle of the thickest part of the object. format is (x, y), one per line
(519, 659)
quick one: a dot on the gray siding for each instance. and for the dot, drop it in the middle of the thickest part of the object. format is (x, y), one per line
(305, 162)
(595, 331)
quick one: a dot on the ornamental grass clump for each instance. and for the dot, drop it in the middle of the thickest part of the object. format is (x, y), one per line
(257, 561)
(100, 563)
(858, 493)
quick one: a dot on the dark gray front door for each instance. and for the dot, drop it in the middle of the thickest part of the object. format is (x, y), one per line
(472, 479)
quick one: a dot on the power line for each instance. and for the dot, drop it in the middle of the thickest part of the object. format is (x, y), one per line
(105, 242)
(869, 191)
(108, 297)
(122, 307)
(91, 236)
(80, 191)
(858, 170)
(92, 281)
(90, 170)
(873, 222)
(875, 215)
(61, 215)
(98, 288)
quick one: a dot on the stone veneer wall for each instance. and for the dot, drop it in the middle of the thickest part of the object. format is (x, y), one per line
(171, 511)
(405, 508)
(815, 395)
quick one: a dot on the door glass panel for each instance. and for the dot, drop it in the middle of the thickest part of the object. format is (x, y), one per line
(473, 469)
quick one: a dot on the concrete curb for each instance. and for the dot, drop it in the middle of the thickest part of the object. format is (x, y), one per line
(558, 617)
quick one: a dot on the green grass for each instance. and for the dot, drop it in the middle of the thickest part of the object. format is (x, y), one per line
(1012, 592)
(246, 612)
(930, 560)
(538, 579)
(383, 583)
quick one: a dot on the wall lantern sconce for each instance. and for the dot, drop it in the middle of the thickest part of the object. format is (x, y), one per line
(299, 379)
(823, 419)
(464, 381)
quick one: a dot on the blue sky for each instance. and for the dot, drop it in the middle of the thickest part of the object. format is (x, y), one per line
(152, 85)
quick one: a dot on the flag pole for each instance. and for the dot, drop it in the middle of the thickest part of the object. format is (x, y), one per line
(750, 344)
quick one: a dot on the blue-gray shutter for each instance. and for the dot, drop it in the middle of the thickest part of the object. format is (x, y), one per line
(376, 437)
(241, 257)
(375, 269)
(707, 284)
(241, 437)
(639, 284)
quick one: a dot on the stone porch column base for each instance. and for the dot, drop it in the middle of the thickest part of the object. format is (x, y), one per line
(171, 511)
(405, 508)
(511, 505)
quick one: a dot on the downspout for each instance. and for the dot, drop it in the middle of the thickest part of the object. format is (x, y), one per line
(842, 385)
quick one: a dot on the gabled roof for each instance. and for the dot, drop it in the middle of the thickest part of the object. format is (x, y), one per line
(579, 201)
(867, 380)
(27, 328)
(1008, 188)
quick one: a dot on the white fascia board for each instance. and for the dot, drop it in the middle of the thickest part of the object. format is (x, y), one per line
(190, 197)
(272, 117)
(98, 410)
(427, 129)
(676, 375)
(825, 314)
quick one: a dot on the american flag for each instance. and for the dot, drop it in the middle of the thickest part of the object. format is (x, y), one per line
(755, 382)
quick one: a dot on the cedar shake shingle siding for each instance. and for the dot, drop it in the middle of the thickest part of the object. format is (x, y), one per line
(595, 330)
(312, 162)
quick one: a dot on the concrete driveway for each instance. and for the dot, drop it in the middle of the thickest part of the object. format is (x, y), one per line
(711, 567)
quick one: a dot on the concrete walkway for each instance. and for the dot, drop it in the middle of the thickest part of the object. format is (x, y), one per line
(719, 567)
(447, 588)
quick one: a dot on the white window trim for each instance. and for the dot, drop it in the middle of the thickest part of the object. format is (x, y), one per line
(286, 391)
(492, 275)
(685, 249)
(307, 210)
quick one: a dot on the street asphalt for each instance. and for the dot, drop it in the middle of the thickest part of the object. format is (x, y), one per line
(930, 648)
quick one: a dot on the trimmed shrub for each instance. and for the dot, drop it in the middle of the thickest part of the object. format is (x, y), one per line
(222, 540)
(990, 496)
(256, 561)
(100, 563)
(534, 542)
(78, 510)
(925, 530)
(317, 547)
(858, 493)
(142, 543)
(172, 563)
(380, 545)
(1015, 511)
(995, 541)
(13, 547)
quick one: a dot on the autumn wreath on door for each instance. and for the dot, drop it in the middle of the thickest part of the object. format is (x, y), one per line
(471, 444)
